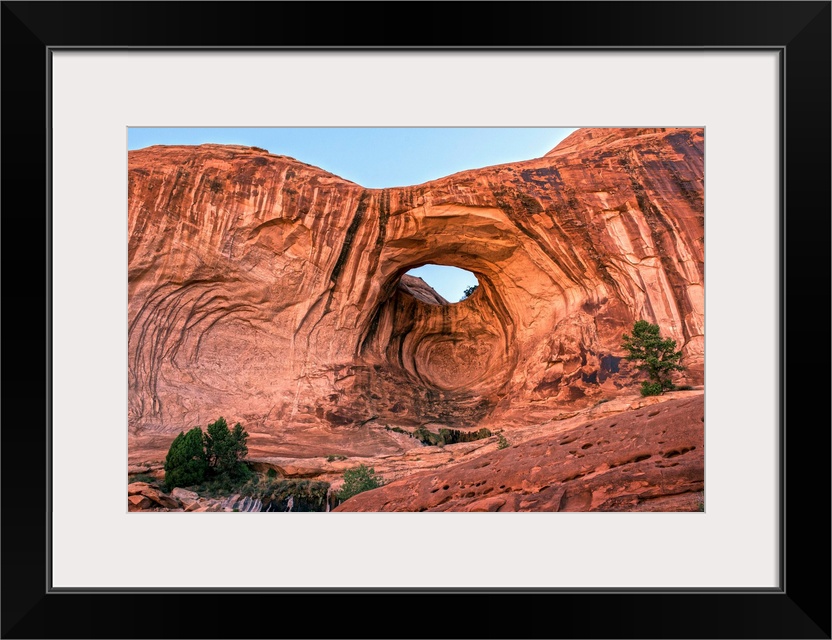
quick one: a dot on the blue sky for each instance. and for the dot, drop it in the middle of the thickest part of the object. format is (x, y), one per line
(448, 282)
(380, 157)
(375, 157)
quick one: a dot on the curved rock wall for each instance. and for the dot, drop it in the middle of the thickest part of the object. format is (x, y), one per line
(271, 291)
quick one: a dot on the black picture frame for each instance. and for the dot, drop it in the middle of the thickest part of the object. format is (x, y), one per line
(799, 608)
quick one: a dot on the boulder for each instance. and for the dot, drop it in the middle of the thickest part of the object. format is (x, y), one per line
(138, 503)
(135, 488)
(161, 499)
(184, 496)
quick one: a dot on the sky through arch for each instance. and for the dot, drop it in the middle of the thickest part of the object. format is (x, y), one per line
(448, 282)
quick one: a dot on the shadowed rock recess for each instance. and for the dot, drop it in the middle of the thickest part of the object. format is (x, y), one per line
(272, 292)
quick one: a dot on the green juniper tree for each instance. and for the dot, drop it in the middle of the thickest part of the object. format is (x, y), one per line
(216, 455)
(226, 448)
(655, 355)
(185, 464)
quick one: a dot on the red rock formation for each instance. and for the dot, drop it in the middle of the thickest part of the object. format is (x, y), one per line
(142, 495)
(651, 459)
(271, 292)
(421, 290)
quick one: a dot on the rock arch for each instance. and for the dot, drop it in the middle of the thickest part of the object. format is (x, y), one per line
(273, 290)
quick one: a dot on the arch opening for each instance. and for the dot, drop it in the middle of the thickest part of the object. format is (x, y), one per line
(450, 284)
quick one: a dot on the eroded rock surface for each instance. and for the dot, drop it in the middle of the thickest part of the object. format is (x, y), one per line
(649, 459)
(270, 292)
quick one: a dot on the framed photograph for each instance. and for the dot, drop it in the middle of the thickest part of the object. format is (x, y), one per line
(745, 87)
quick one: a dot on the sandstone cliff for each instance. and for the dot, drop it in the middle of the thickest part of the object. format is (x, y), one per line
(271, 292)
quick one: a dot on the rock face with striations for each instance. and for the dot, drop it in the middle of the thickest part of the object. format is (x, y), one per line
(272, 292)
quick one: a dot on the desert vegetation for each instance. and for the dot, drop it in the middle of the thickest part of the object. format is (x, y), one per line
(213, 458)
(469, 292)
(359, 480)
(444, 436)
(653, 354)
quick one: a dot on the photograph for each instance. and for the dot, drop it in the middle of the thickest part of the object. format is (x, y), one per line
(266, 258)
(416, 319)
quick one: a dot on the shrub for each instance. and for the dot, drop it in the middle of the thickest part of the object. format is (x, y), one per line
(453, 436)
(214, 457)
(225, 449)
(185, 464)
(651, 389)
(447, 436)
(276, 494)
(502, 443)
(359, 480)
(657, 356)
(426, 436)
(469, 292)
